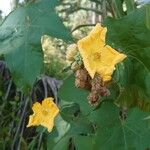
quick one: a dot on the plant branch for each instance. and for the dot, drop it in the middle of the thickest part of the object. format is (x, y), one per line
(72, 10)
(81, 26)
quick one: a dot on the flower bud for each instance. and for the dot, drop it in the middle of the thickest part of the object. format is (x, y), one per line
(71, 52)
(75, 66)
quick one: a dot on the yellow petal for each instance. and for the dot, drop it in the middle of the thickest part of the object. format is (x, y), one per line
(48, 123)
(97, 56)
(50, 106)
(113, 55)
(36, 107)
(35, 119)
(106, 78)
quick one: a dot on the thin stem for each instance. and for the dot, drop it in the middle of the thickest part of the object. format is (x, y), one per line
(81, 26)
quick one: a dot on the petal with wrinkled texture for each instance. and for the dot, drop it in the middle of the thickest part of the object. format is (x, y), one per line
(44, 114)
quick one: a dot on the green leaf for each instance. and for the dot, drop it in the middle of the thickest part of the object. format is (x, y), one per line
(70, 111)
(63, 144)
(59, 139)
(76, 125)
(20, 39)
(116, 133)
(68, 92)
(132, 96)
(79, 123)
(124, 74)
(84, 142)
(62, 127)
(134, 86)
(132, 38)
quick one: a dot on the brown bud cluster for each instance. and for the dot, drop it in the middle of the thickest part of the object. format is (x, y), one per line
(82, 79)
(98, 90)
(96, 86)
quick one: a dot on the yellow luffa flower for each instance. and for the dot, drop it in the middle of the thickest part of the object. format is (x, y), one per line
(44, 114)
(97, 56)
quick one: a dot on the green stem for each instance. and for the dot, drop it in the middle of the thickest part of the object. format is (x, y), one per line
(81, 26)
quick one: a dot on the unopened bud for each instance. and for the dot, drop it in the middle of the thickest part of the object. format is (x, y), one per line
(82, 79)
(94, 98)
(71, 52)
(75, 66)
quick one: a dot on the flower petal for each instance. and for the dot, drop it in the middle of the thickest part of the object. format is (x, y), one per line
(35, 119)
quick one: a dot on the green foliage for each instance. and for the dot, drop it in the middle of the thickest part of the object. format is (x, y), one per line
(115, 128)
(20, 36)
(120, 122)
(133, 36)
(133, 40)
(68, 92)
(112, 130)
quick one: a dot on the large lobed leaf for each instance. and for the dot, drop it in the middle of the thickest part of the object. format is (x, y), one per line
(20, 36)
(133, 40)
(110, 131)
(115, 133)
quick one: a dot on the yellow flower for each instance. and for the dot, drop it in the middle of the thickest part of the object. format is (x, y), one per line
(44, 114)
(97, 56)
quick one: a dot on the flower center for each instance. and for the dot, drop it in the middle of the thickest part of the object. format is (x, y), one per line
(97, 55)
(45, 112)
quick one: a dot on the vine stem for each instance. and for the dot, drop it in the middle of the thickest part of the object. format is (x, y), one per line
(81, 26)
